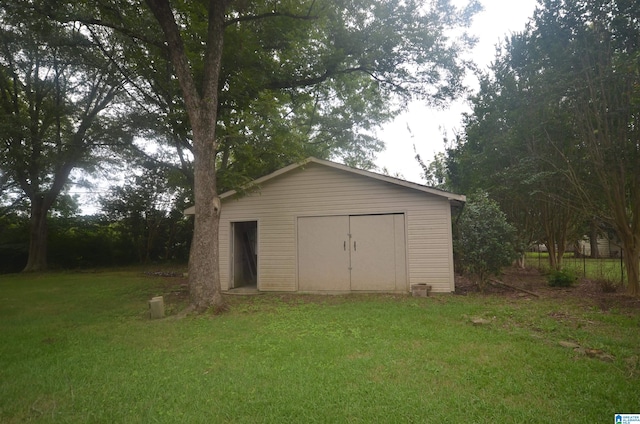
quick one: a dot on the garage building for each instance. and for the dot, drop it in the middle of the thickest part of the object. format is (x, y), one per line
(320, 226)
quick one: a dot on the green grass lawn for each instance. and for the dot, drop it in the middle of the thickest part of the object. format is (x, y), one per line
(78, 348)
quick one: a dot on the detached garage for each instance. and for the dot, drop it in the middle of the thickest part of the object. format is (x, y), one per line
(319, 226)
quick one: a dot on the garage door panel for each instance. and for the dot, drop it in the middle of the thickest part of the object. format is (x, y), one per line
(323, 253)
(373, 256)
(359, 253)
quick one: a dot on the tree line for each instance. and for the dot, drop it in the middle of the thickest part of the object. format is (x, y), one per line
(554, 132)
(138, 222)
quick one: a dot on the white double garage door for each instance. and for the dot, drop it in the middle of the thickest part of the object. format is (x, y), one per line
(352, 253)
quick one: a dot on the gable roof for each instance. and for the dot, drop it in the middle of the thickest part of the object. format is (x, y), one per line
(454, 199)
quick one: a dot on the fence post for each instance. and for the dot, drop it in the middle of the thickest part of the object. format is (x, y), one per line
(539, 264)
(621, 266)
(584, 261)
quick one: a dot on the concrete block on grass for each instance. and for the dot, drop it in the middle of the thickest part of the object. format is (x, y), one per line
(156, 307)
(420, 290)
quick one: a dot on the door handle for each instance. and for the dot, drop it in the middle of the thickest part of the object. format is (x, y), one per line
(354, 246)
(344, 246)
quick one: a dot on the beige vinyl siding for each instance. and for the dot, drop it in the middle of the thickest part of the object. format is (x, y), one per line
(317, 190)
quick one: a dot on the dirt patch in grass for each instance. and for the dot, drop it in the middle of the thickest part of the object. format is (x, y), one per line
(175, 288)
(586, 291)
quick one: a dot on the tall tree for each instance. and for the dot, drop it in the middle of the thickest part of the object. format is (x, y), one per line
(255, 71)
(563, 105)
(597, 68)
(54, 91)
(504, 150)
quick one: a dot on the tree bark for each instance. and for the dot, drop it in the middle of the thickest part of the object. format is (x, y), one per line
(204, 272)
(632, 264)
(630, 243)
(37, 260)
(551, 249)
(202, 109)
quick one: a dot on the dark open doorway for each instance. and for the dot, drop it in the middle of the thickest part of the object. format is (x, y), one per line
(245, 254)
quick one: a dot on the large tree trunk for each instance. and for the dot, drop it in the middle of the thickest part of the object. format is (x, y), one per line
(630, 243)
(204, 269)
(632, 265)
(627, 224)
(37, 260)
(551, 249)
(201, 105)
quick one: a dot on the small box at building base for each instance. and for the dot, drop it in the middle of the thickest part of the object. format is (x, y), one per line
(156, 307)
(420, 290)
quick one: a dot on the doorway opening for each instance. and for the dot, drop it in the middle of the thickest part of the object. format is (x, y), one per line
(245, 254)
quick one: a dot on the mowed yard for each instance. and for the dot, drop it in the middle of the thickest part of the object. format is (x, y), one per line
(79, 348)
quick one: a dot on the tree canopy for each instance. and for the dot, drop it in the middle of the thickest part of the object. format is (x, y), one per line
(296, 78)
(553, 135)
(55, 90)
